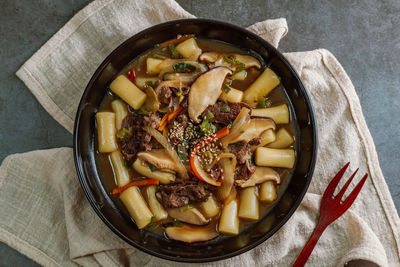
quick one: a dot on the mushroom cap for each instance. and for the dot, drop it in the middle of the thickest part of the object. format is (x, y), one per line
(159, 158)
(192, 216)
(205, 91)
(254, 128)
(262, 174)
(191, 234)
(247, 60)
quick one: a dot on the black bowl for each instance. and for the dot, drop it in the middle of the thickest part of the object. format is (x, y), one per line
(107, 207)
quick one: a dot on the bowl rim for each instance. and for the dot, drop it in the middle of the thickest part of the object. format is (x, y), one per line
(246, 248)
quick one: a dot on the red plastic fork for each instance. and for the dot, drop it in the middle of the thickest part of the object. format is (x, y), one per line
(332, 207)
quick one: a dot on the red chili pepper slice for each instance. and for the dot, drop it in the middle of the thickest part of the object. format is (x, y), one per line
(132, 75)
(146, 182)
(194, 161)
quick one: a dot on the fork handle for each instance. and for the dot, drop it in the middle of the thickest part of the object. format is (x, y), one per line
(308, 248)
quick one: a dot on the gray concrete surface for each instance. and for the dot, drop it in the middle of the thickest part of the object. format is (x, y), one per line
(363, 35)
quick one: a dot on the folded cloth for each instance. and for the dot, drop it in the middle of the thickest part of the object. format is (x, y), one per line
(45, 215)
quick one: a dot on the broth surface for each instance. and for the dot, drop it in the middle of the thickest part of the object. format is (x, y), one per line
(276, 97)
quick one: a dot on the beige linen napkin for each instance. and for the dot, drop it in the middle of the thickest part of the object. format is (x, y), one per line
(45, 215)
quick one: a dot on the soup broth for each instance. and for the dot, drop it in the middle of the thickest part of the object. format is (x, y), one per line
(266, 137)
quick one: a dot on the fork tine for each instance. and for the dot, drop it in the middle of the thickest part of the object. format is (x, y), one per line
(340, 195)
(353, 195)
(333, 184)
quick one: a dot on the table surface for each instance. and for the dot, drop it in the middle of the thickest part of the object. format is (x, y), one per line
(365, 38)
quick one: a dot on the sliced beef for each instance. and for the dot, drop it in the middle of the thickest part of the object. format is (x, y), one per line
(245, 167)
(153, 120)
(229, 114)
(136, 139)
(244, 171)
(182, 119)
(165, 95)
(181, 193)
(241, 150)
(241, 172)
(255, 142)
(216, 172)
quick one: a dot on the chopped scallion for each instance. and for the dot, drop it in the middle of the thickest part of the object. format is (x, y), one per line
(151, 221)
(224, 107)
(183, 67)
(261, 102)
(239, 65)
(209, 116)
(126, 164)
(207, 127)
(173, 51)
(122, 133)
(150, 83)
(226, 88)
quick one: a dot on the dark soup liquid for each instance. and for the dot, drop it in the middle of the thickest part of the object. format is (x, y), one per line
(196, 140)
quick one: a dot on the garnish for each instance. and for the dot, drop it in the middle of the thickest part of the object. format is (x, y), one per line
(186, 207)
(146, 182)
(150, 83)
(194, 160)
(173, 51)
(209, 116)
(132, 75)
(126, 164)
(250, 161)
(226, 88)
(183, 67)
(151, 221)
(224, 107)
(207, 127)
(261, 102)
(121, 134)
(239, 65)
(168, 117)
